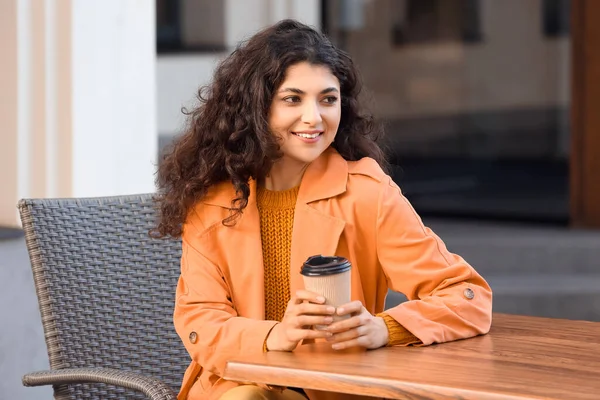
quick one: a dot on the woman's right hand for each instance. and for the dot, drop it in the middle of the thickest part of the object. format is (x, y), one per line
(303, 311)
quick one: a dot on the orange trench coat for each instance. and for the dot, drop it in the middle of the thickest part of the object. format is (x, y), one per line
(349, 209)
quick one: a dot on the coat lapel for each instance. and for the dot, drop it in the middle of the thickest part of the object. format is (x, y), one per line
(315, 230)
(314, 233)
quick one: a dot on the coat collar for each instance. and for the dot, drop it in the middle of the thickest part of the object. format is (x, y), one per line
(324, 178)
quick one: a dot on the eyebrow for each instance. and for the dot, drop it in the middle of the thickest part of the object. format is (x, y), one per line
(298, 91)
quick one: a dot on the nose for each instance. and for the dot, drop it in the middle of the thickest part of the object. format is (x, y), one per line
(311, 113)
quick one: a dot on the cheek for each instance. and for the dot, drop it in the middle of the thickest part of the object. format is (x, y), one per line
(282, 120)
(333, 118)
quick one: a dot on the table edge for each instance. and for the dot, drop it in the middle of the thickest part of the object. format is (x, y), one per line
(313, 380)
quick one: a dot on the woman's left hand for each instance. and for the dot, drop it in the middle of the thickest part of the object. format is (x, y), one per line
(361, 329)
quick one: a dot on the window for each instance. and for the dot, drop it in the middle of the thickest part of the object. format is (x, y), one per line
(430, 21)
(555, 17)
(168, 25)
(190, 26)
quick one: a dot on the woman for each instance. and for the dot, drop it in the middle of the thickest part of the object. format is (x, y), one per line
(277, 165)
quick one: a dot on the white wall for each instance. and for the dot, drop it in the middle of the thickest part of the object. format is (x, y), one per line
(114, 97)
(78, 91)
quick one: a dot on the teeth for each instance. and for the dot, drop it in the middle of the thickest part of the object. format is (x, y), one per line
(308, 135)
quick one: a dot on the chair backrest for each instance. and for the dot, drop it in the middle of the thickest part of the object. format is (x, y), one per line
(106, 289)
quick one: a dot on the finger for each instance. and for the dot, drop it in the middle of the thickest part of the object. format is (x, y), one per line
(306, 295)
(344, 325)
(361, 341)
(309, 320)
(301, 334)
(302, 296)
(350, 308)
(314, 309)
(347, 335)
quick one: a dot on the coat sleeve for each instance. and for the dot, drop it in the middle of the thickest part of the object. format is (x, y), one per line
(206, 319)
(447, 298)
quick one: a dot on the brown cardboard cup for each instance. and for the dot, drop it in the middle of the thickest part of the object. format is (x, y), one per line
(328, 276)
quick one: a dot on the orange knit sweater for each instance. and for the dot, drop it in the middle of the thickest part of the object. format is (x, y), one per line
(276, 209)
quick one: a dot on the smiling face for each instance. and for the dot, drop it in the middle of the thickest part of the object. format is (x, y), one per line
(305, 112)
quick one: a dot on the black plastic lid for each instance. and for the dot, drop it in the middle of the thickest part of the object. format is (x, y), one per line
(325, 265)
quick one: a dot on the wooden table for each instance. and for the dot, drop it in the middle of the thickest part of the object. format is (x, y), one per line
(521, 358)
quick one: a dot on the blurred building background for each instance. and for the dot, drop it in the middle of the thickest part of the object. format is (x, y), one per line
(490, 107)
(475, 94)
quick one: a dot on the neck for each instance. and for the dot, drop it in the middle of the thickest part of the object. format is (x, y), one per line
(285, 174)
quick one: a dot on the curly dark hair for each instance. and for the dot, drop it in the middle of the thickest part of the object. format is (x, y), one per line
(228, 136)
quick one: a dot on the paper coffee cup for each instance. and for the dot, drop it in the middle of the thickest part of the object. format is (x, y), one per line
(328, 276)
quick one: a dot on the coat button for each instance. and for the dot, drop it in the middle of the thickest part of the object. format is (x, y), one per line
(193, 337)
(469, 293)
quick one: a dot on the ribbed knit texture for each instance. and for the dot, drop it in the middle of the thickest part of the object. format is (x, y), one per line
(399, 335)
(276, 211)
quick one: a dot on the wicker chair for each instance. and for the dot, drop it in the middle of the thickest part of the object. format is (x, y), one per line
(106, 293)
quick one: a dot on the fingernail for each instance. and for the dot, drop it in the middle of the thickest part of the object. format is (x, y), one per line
(328, 320)
(340, 310)
(331, 309)
(321, 299)
(336, 346)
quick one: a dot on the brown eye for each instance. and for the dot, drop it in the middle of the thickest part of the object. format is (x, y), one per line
(330, 100)
(291, 99)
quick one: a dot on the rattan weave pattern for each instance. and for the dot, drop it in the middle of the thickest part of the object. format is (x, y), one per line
(105, 289)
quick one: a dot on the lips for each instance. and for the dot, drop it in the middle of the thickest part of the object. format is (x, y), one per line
(308, 135)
